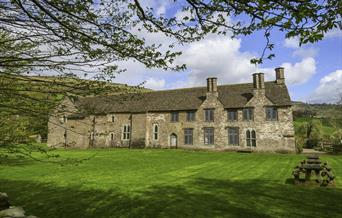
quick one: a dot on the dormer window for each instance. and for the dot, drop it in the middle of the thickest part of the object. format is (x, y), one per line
(209, 115)
(247, 114)
(271, 113)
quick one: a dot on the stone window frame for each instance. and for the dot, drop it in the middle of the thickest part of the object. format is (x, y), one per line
(271, 115)
(112, 136)
(209, 135)
(248, 114)
(251, 140)
(236, 116)
(126, 132)
(64, 119)
(188, 136)
(174, 116)
(236, 134)
(155, 132)
(191, 116)
(209, 114)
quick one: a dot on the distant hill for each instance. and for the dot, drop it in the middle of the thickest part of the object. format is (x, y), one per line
(31, 98)
(331, 111)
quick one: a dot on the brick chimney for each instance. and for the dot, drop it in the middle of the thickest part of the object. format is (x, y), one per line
(258, 81)
(280, 78)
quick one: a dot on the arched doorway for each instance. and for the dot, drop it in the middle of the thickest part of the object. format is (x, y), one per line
(173, 140)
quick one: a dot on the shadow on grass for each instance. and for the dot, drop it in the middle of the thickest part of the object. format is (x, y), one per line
(197, 198)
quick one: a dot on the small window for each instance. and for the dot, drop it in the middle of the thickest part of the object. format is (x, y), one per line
(190, 116)
(209, 136)
(65, 119)
(232, 115)
(188, 136)
(209, 115)
(112, 136)
(126, 133)
(250, 138)
(155, 132)
(113, 118)
(233, 136)
(271, 113)
(247, 113)
(174, 116)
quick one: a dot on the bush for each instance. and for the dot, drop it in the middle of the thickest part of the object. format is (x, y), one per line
(299, 148)
(337, 147)
(311, 143)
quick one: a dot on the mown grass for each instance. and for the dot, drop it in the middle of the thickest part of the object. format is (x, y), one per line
(168, 183)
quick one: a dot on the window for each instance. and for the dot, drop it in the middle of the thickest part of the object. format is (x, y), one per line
(251, 138)
(208, 136)
(155, 132)
(233, 136)
(112, 118)
(174, 116)
(126, 133)
(271, 113)
(188, 136)
(247, 113)
(190, 116)
(232, 115)
(65, 119)
(209, 115)
(112, 136)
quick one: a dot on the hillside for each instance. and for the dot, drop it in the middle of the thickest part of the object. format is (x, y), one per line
(26, 101)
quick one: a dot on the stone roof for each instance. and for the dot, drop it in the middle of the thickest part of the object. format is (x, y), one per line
(231, 96)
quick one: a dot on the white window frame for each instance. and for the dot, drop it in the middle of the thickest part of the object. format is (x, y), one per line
(154, 132)
(126, 132)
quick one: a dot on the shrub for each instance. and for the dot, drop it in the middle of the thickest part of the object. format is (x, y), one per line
(299, 148)
(311, 143)
(337, 147)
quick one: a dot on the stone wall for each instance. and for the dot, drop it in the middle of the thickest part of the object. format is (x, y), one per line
(270, 135)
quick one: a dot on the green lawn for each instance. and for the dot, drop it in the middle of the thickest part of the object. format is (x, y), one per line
(168, 183)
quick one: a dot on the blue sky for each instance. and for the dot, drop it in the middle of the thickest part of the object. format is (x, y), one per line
(313, 72)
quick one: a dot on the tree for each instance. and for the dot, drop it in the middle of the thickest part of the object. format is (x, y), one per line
(88, 38)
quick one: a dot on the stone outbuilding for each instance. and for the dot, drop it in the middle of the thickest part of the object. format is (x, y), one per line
(250, 116)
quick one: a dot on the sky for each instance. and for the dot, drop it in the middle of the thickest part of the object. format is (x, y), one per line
(313, 72)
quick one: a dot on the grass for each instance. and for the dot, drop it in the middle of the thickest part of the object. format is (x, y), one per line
(168, 183)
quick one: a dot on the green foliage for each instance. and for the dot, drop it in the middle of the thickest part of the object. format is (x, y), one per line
(168, 183)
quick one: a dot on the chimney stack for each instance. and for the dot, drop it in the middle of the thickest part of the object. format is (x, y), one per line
(258, 81)
(280, 77)
(212, 84)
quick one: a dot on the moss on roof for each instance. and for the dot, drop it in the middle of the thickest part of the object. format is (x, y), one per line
(232, 96)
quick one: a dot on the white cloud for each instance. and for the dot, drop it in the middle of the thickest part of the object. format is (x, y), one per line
(334, 33)
(330, 86)
(292, 42)
(155, 84)
(220, 57)
(300, 72)
(305, 52)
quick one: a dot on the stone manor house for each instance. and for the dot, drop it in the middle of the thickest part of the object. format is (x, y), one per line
(250, 116)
